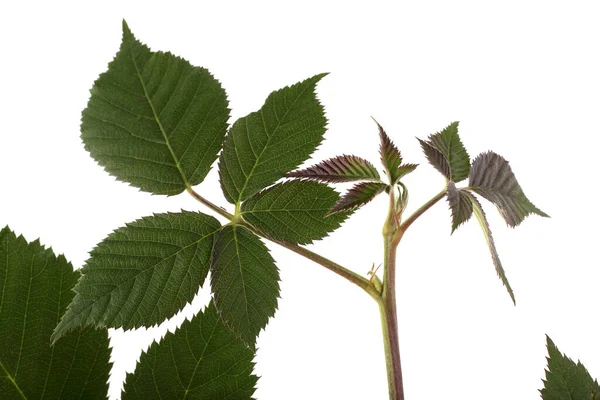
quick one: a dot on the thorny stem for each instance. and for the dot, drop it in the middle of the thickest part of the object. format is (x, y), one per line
(351, 276)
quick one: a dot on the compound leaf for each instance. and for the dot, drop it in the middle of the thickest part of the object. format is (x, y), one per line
(244, 281)
(154, 120)
(567, 380)
(294, 211)
(460, 205)
(263, 146)
(492, 178)
(201, 360)
(445, 151)
(143, 273)
(339, 169)
(487, 233)
(358, 196)
(36, 287)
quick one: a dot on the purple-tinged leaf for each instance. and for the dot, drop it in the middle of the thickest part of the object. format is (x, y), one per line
(492, 178)
(358, 196)
(460, 205)
(445, 151)
(391, 158)
(487, 233)
(339, 169)
(435, 158)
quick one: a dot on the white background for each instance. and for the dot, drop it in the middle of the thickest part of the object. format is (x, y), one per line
(522, 77)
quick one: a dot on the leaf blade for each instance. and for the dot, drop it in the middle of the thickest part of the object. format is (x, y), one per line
(445, 151)
(359, 195)
(460, 205)
(263, 146)
(36, 288)
(492, 178)
(143, 273)
(566, 379)
(208, 360)
(242, 262)
(485, 227)
(343, 168)
(294, 211)
(154, 120)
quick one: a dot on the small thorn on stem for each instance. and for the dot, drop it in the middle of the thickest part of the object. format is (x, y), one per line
(372, 273)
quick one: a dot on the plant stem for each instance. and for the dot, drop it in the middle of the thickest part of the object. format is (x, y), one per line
(392, 232)
(219, 210)
(349, 275)
(387, 306)
(413, 217)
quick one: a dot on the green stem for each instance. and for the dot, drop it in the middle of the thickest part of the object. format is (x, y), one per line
(393, 231)
(387, 306)
(413, 217)
(349, 275)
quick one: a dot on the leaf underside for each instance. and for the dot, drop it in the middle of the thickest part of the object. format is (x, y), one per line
(566, 379)
(201, 360)
(445, 151)
(265, 145)
(487, 233)
(460, 205)
(294, 211)
(244, 282)
(359, 195)
(492, 178)
(36, 287)
(143, 273)
(154, 120)
(339, 169)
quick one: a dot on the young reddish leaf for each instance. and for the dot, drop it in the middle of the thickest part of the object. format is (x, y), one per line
(446, 153)
(435, 158)
(339, 169)
(492, 178)
(358, 196)
(485, 227)
(460, 205)
(391, 157)
(567, 380)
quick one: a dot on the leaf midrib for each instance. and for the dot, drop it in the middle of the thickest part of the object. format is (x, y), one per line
(156, 118)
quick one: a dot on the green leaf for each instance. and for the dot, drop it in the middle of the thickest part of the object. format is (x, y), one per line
(245, 282)
(154, 120)
(294, 211)
(487, 233)
(265, 145)
(36, 287)
(358, 196)
(391, 158)
(492, 178)
(202, 360)
(143, 273)
(460, 205)
(339, 169)
(566, 380)
(447, 154)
